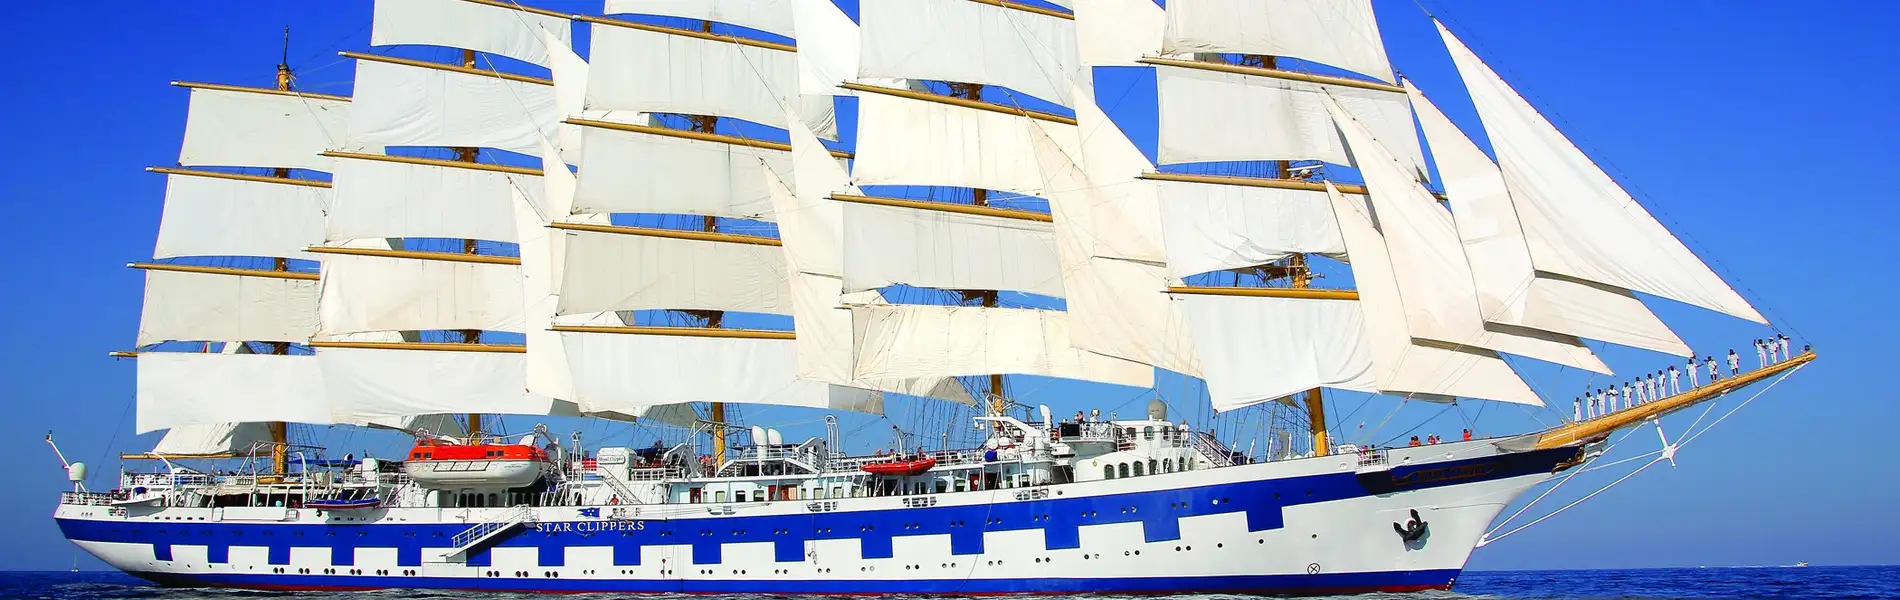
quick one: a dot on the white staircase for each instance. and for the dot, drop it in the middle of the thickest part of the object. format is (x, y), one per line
(481, 533)
(1211, 447)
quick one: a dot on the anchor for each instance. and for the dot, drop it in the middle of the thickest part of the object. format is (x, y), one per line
(1412, 530)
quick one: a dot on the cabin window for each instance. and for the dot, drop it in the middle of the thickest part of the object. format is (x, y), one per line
(1151, 467)
(1123, 469)
(491, 500)
(942, 486)
(1167, 434)
(791, 494)
(1187, 464)
(818, 493)
(962, 484)
(719, 496)
(1108, 471)
(738, 496)
(1138, 468)
(1129, 433)
(1167, 465)
(1148, 433)
(837, 491)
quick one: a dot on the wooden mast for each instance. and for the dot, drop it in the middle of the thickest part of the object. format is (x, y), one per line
(470, 336)
(1302, 278)
(981, 197)
(279, 430)
(715, 319)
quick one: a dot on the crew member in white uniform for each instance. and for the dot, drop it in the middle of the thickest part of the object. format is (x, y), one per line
(1576, 409)
(1694, 381)
(1655, 387)
(1734, 363)
(1675, 380)
(1761, 354)
(1787, 349)
(1714, 374)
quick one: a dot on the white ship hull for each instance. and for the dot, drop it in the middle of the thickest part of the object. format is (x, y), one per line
(1286, 527)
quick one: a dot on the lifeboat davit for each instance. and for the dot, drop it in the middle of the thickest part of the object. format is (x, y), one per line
(901, 468)
(445, 464)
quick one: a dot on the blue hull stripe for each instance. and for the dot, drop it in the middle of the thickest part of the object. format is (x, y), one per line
(1059, 518)
(1324, 583)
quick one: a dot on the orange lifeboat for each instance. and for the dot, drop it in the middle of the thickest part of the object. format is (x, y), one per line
(445, 464)
(901, 468)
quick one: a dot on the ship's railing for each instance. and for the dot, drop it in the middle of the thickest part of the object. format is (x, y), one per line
(85, 498)
(1088, 432)
(655, 473)
(1211, 447)
(944, 458)
(1372, 457)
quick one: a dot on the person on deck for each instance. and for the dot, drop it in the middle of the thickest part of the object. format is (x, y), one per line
(1655, 389)
(1714, 376)
(1610, 405)
(1414, 441)
(1694, 381)
(1734, 363)
(1467, 435)
(1576, 409)
(1675, 381)
(1786, 347)
(1761, 354)
(1642, 392)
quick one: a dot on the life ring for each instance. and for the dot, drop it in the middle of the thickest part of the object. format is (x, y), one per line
(1412, 530)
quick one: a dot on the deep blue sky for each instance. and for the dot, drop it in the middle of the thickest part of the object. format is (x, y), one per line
(1758, 131)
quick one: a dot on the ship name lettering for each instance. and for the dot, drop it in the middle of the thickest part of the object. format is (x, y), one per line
(589, 526)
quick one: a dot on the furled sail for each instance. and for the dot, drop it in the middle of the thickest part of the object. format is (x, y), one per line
(1576, 219)
(1209, 115)
(770, 16)
(1510, 291)
(262, 128)
(971, 42)
(214, 216)
(491, 28)
(1427, 371)
(1428, 263)
(1340, 33)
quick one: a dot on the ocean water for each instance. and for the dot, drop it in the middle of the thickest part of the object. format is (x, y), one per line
(1763, 582)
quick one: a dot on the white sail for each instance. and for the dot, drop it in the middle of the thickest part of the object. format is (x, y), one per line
(904, 141)
(969, 42)
(385, 199)
(210, 216)
(181, 389)
(217, 307)
(1218, 116)
(569, 72)
(401, 105)
(1422, 371)
(259, 129)
(828, 48)
(1509, 291)
(1214, 227)
(213, 438)
(770, 16)
(1428, 263)
(610, 271)
(1340, 33)
(1116, 307)
(1576, 219)
(1117, 33)
(1124, 213)
(376, 293)
(542, 251)
(365, 384)
(651, 71)
(469, 25)
(629, 372)
(900, 341)
(886, 245)
(810, 223)
(625, 171)
(1255, 350)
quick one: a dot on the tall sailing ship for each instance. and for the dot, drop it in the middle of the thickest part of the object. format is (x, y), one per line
(671, 231)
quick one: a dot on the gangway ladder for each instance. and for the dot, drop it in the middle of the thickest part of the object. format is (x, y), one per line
(619, 487)
(1210, 447)
(482, 533)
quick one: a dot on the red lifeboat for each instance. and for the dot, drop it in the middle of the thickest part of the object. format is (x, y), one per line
(445, 464)
(901, 468)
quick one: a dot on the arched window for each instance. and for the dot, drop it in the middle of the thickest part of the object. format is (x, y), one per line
(491, 500)
(1167, 465)
(1123, 469)
(1138, 468)
(1108, 471)
(1148, 433)
(1151, 467)
(719, 496)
